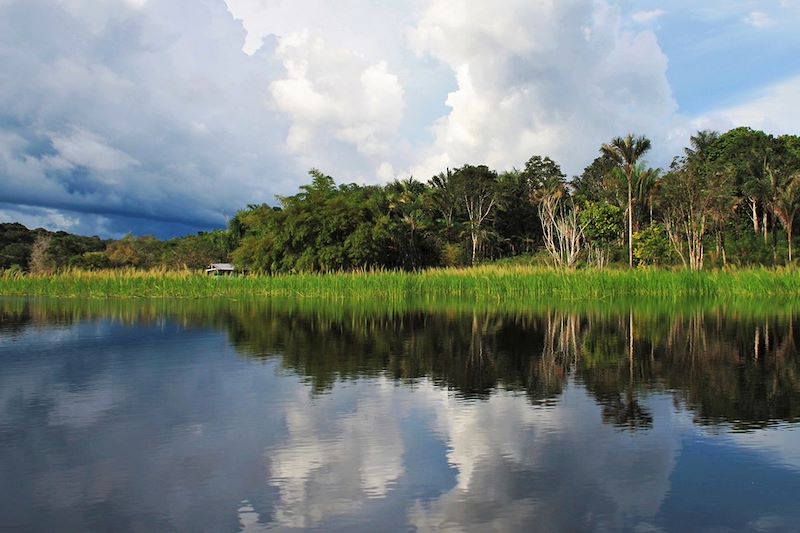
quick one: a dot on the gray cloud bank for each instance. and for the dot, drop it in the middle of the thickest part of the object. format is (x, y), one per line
(148, 115)
(127, 110)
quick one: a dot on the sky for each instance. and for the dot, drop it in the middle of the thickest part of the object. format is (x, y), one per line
(165, 117)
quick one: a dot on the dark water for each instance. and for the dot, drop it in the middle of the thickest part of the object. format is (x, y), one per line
(130, 416)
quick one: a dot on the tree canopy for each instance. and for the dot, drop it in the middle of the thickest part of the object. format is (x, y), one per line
(729, 198)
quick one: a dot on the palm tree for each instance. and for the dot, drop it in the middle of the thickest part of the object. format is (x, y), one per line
(645, 183)
(444, 199)
(404, 204)
(625, 152)
(784, 199)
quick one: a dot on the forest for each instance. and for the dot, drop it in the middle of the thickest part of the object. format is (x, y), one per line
(728, 199)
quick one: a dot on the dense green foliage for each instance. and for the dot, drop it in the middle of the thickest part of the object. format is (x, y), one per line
(61, 250)
(729, 199)
(64, 249)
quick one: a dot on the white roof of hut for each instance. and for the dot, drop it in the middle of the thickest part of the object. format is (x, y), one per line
(220, 267)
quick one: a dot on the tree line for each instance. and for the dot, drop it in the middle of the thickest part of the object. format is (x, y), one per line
(729, 198)
(43, 252)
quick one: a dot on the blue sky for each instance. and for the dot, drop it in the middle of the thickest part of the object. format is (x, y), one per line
(721, 55)
(166, 116)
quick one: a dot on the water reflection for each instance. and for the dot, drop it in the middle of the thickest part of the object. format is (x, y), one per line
(741, 371)
(221, 416)
(724, 366)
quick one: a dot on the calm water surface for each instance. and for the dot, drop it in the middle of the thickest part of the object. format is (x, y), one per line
(131, 416)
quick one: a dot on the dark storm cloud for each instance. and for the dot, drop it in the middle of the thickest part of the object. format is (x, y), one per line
(135, 111)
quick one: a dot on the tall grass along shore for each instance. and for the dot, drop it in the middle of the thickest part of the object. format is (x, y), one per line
(490, 282)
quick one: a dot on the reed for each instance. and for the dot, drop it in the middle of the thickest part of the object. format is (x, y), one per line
(214, 311)
(487, 283)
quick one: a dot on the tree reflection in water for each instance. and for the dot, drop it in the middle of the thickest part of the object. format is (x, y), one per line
(192, 415)
(727, 364)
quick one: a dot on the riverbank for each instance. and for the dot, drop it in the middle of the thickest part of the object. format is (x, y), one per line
(489, 282)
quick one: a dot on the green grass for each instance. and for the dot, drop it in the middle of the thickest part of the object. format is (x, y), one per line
(218, 310)
(490, 283)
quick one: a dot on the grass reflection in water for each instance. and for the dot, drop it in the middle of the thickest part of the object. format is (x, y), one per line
(728, 362)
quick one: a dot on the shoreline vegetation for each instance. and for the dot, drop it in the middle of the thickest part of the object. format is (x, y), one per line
(728, 200)
(490, 284)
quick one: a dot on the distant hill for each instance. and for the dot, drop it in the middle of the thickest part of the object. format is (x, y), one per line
(65, 248)
(91, 253)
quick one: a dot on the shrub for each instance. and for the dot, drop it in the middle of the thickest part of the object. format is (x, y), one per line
(651, 246)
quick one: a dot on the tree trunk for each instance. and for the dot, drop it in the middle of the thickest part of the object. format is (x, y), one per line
(696, 251)
(774, 232)
(764, 224)
(630, 220)
(754, 208)
(789, 239)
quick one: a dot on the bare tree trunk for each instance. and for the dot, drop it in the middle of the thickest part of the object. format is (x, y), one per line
(675, 241)
(562, 232)
(789, 238)
(477, 211)
(630, 220)
(774, 232)
(754, 209)
(598, 256)
(720, 244)
(694, 242)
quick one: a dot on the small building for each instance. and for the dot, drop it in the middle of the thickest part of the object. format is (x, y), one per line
(220, 269)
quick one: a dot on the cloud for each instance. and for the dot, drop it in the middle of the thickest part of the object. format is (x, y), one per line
(336, 463)
(554, 78)
(331, 94)
(86, 222)
(40, 218)
(771, 109)
(153, 112)
(329, 465)
(170, 115)
(198, 458)
(782, 447)
(374, 29)
(80, 148)
(758, 19)
(503, 450)
(642, 17)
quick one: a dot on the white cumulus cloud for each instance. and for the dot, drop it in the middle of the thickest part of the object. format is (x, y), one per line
(555, 78)
(334, 94)
(772, 109)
